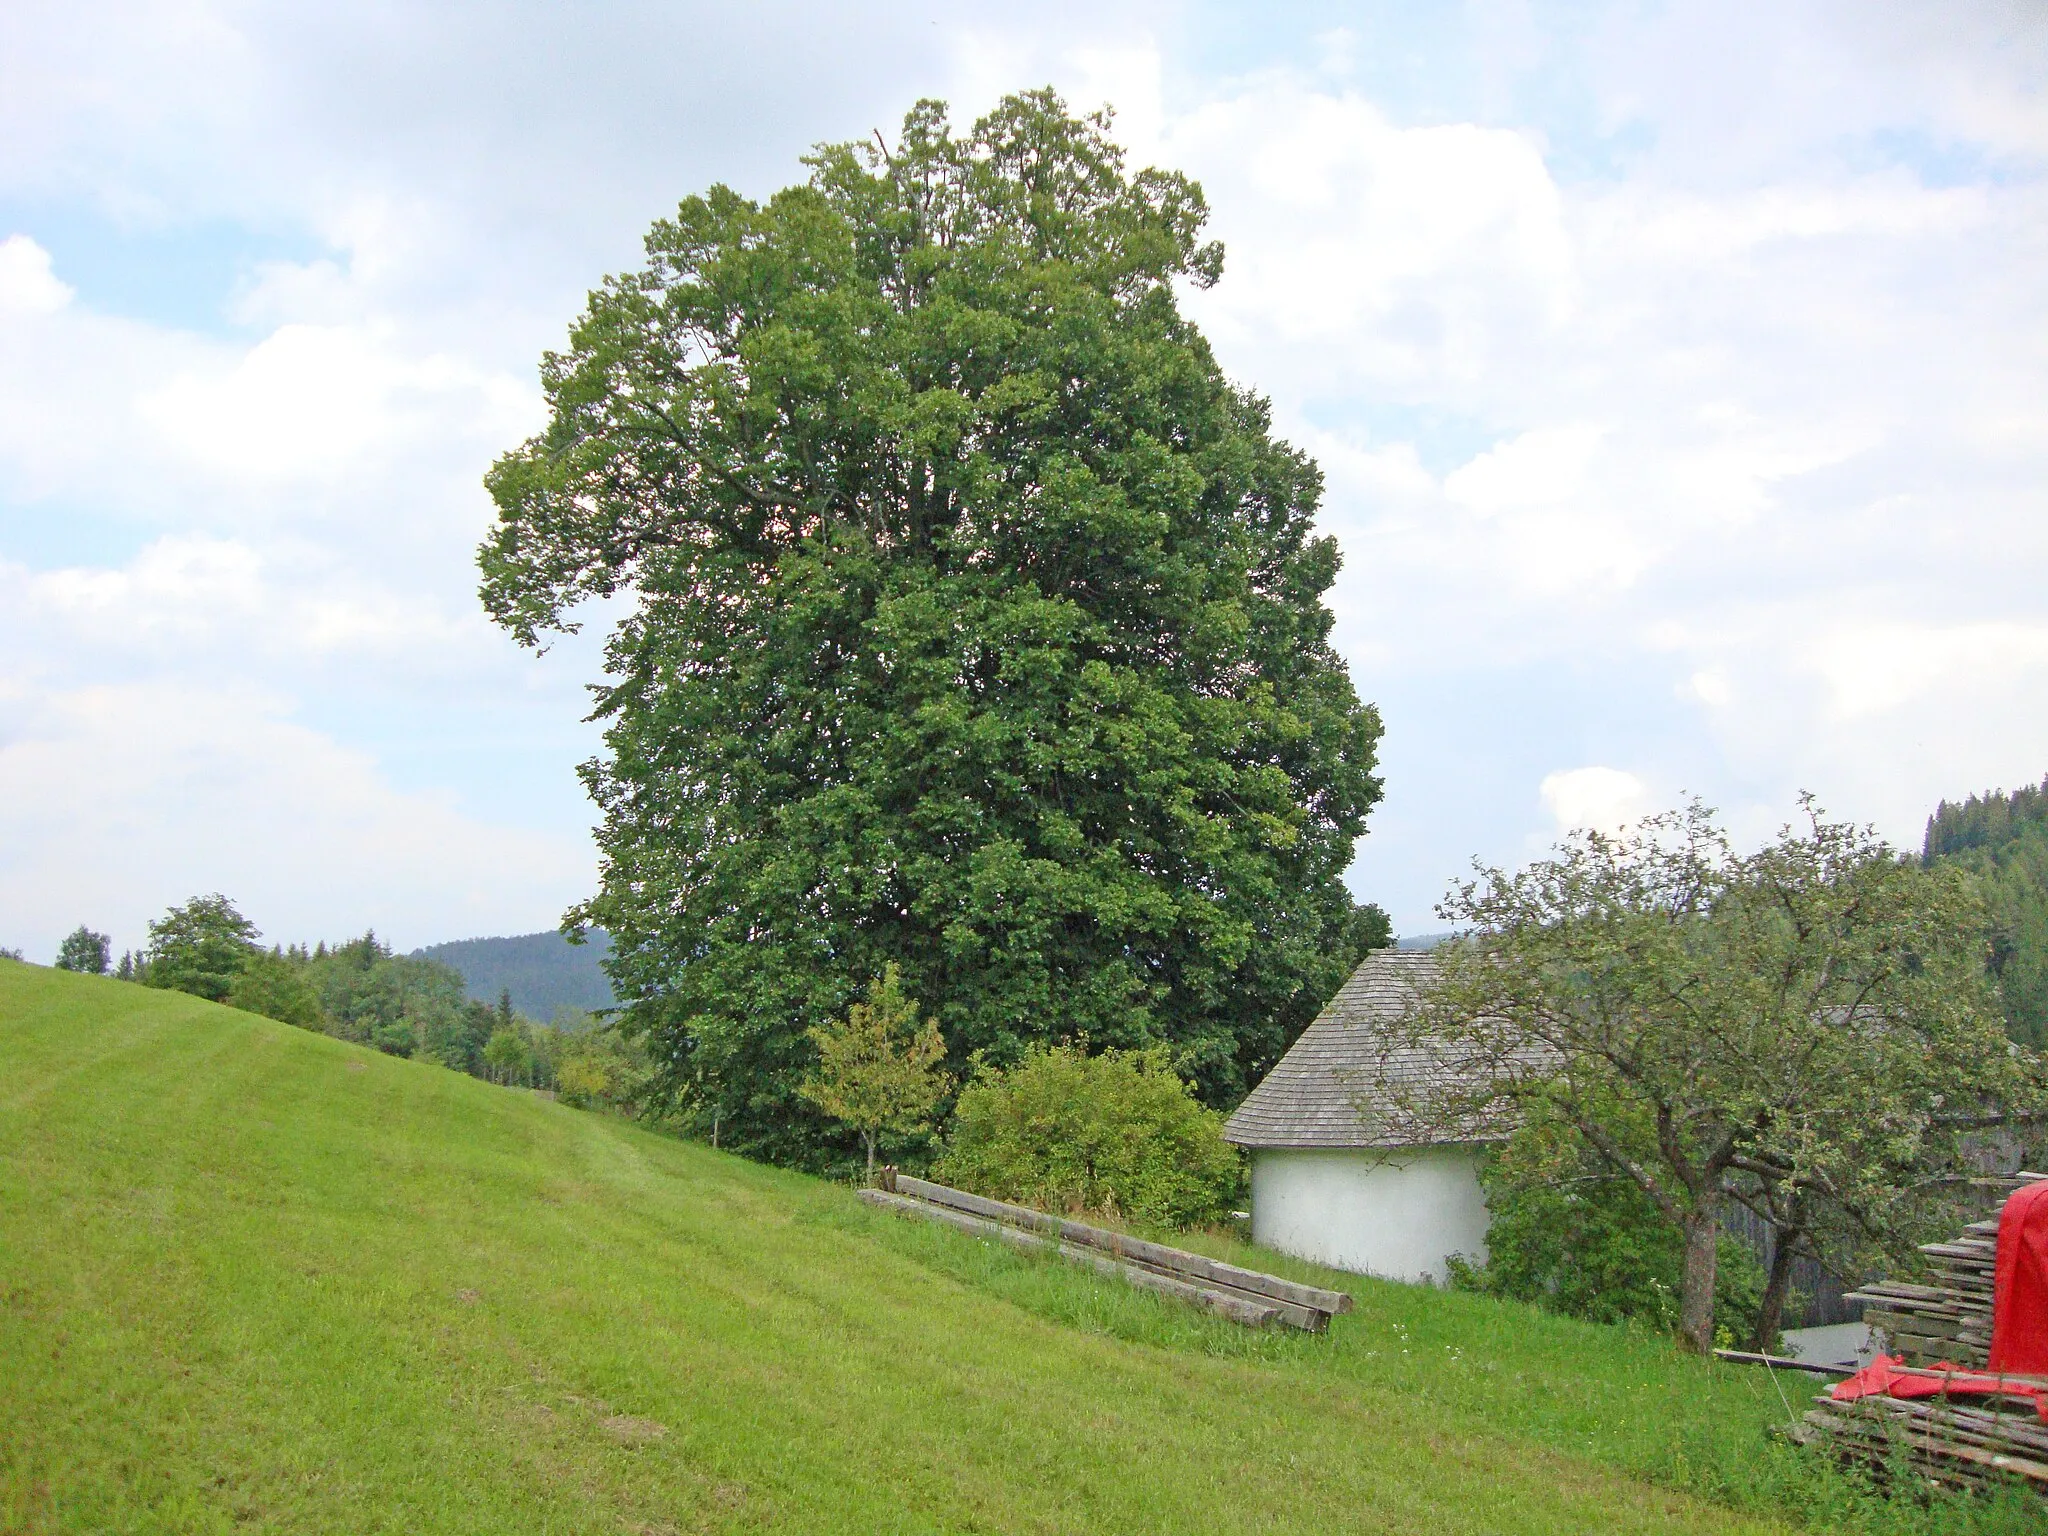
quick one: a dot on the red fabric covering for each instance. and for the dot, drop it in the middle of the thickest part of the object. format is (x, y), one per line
(2019, 1302)
(1890, 1376)
(1886, 1376)
(2019, 1322)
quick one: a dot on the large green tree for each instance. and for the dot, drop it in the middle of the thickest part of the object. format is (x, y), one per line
(972, 622)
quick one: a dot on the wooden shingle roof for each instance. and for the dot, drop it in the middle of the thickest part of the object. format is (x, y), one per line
(1341, 1065)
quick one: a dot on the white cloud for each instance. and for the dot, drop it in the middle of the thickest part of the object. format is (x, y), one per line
(222, 597)
(311, 400)
(116, 802)
(1362, 251)
(180, 582)
(1871, 669)
(27, 284)
(1710, 685)
(1595, 798)
(1541, 467)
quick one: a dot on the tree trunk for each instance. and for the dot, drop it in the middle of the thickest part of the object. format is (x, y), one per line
(1696, 1291)
(869, 1138)
(1777, 1286)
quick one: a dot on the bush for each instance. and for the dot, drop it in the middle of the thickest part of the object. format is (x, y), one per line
(1118, 1133)
(583, 1081)
(1577, 1238)
(395, 1039)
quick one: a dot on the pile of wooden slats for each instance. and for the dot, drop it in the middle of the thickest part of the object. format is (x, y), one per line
(1963, 1441)
(1973, 1442)
(1949, 1318)
(1242, 1295)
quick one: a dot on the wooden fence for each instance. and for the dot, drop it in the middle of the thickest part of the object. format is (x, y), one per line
(1819, 1295)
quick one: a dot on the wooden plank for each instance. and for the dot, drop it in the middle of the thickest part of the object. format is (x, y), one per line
(1970, 1250)
(1252, 1312)
(1958, 1452)
(1239, 1309)
(1309, 1319)
(1930, 1374)
(1176, 1261)
(1780, 1362)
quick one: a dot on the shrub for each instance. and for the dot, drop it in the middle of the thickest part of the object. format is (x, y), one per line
(1118, 1133)
(1575, 1237)
(583, 1081)
(395, 1039)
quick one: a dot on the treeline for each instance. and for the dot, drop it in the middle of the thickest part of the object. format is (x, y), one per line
(2002, 841)
(361, 990)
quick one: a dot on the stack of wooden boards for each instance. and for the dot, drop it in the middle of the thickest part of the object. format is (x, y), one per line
(1242, 1295)
(1975, 1441)
(1950, 1317)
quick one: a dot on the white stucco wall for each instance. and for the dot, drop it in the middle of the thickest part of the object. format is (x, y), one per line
(1396, 1214)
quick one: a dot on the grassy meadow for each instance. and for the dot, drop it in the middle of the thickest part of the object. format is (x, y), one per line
(253, 1278)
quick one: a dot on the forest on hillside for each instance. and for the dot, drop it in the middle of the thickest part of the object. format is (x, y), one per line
(2002, 839)
(543, 972)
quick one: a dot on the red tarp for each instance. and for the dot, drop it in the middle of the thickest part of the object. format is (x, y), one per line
(1890, 1376)
(2019, 1322)
(2019, 1300)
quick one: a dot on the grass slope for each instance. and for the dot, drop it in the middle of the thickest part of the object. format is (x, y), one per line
(254, 1278)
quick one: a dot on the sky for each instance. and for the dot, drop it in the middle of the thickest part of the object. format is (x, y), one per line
(1679, 373)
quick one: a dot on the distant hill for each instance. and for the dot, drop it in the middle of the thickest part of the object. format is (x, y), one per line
(542, 971)
(1412, 941)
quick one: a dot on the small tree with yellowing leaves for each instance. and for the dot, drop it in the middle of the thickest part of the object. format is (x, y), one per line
(879, 1068)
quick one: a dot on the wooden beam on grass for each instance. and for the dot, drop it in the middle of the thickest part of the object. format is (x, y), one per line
(1195, 1267)
(1238, 1308)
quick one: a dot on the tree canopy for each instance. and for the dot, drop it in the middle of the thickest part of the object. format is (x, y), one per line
(86, 951)
(972, 622)
(1807, 1028)
(201, 948)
